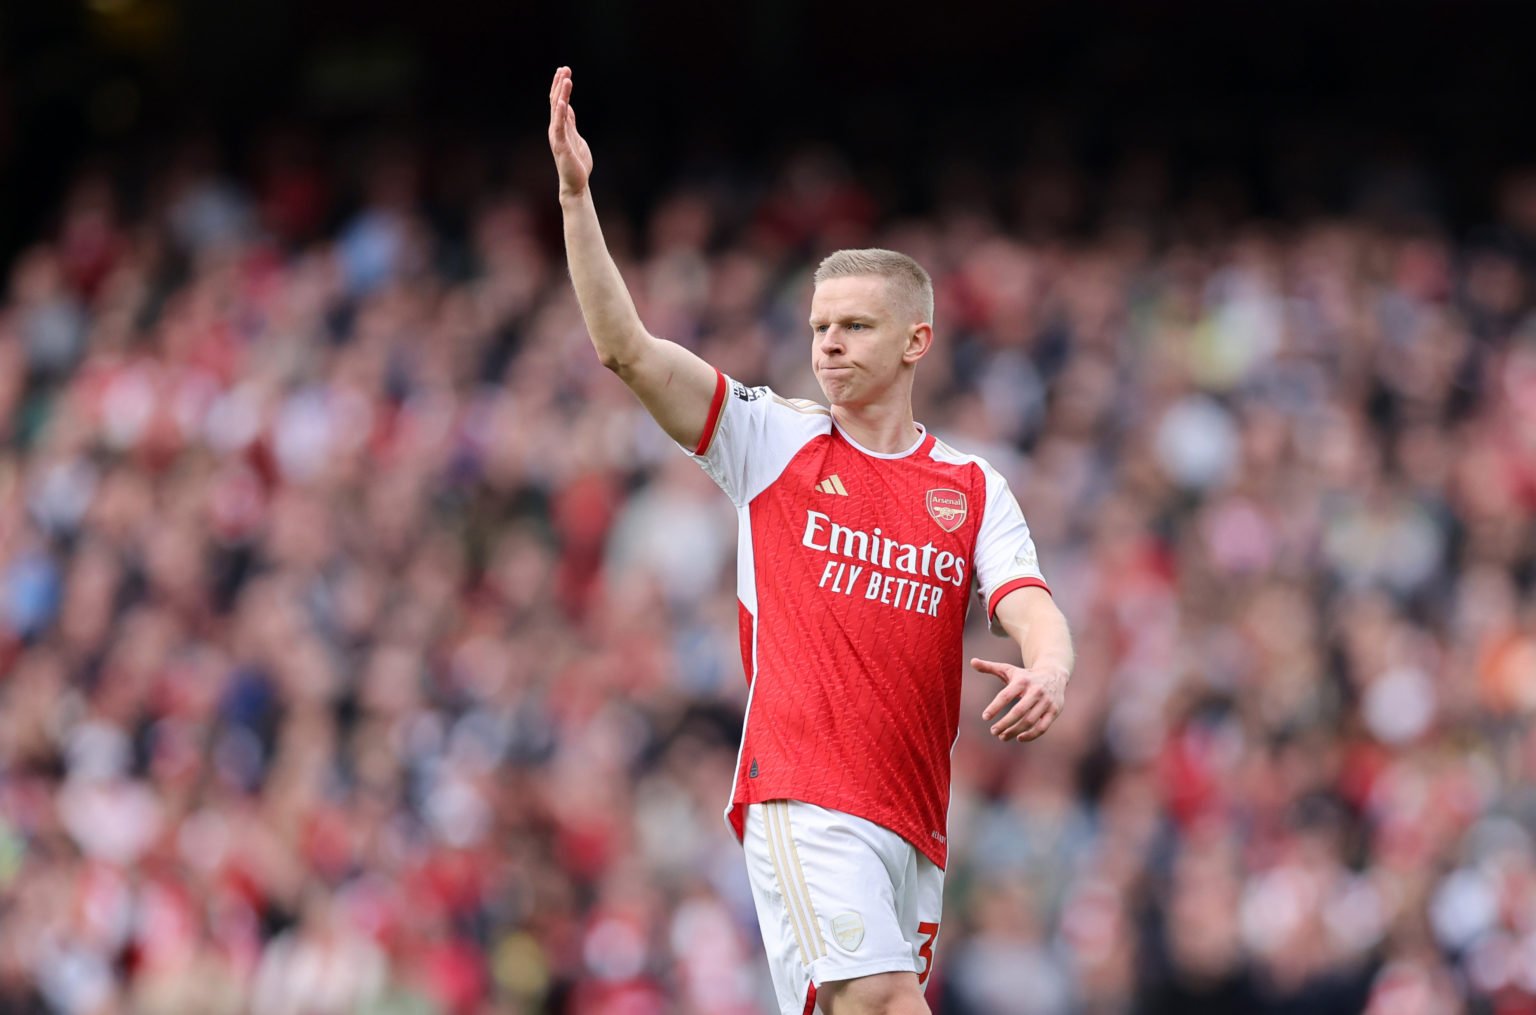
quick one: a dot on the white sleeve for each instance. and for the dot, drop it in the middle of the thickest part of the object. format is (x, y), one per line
(750, 436)
(1005, 553)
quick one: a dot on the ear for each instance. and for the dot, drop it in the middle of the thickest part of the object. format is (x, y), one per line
(919, 341)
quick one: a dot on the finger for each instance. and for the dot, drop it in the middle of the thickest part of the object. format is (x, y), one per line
(556, 102)
(563, 111)
(1014, 694)
(1027, 719)
(1004, 698)
(988, 666)
(563, 108)
(1035, 724)
(1038, 730)
(1017, 717)
(1010, 724)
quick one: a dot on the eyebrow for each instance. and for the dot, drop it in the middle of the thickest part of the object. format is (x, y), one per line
(847, 319)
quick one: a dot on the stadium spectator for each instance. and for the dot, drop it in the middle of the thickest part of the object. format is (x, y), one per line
(338, 642)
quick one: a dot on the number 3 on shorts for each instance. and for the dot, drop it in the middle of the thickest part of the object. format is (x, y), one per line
(930, 931)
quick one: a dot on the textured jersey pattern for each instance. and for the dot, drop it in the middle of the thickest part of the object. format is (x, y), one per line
(854, 575)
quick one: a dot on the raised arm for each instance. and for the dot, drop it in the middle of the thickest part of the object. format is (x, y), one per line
(1032, 619)
(673, 384)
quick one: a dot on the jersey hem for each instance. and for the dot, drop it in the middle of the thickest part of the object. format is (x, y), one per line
(736, 819)
(840, 973)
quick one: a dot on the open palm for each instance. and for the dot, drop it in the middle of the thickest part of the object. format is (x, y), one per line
(572, 156)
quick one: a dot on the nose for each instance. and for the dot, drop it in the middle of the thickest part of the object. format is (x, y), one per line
(830, 342)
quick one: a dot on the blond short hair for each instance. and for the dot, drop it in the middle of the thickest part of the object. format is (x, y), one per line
(907, 280)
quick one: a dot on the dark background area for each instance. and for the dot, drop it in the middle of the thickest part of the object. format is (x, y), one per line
(1285, 108)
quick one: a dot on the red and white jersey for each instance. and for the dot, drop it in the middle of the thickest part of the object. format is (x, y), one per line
(853, 573)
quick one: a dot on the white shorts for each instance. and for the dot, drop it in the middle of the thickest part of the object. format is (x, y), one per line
(838, 897)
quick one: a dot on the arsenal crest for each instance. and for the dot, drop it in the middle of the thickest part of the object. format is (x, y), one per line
(848, 929)
(947, 508)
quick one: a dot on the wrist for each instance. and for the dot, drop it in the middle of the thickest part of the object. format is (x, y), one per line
(1054, 671)
(572, 198)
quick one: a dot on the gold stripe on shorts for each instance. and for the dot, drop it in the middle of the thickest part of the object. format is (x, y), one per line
(790, 906)
(794, 851)
(777, 868)
(792, 879)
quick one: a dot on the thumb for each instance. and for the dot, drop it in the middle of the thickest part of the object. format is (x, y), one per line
(998, 670)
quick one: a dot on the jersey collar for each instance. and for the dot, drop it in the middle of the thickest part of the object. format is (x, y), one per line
(922, 439)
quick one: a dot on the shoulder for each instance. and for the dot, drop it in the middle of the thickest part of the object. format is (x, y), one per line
(743, 393)
(989, 478)
(761, 417)
(803, 405)
(771, 399)
(948, 454)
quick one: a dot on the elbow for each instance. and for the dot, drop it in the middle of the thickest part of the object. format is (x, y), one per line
(623, 358)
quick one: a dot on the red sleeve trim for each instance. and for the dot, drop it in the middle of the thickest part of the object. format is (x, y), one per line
(1011, 586)
(712, 422)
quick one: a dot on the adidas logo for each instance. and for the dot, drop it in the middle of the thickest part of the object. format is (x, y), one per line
(832, 485)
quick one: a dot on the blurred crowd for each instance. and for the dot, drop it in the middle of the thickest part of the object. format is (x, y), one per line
(364, 648)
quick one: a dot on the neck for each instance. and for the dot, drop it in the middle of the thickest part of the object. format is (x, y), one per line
(884, 429)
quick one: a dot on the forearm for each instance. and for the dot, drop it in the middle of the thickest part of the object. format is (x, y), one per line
(1039, 688)
(675, 386)
(1040, 630)
(612, 321)
(1046, 643)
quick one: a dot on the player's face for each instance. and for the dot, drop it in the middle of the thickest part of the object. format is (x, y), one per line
(858, 339)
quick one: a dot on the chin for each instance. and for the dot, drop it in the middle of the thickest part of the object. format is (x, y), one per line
(835, 394)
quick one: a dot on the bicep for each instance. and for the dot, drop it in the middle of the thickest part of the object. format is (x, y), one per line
(678, 389)
(1025, 609)
(1006, 561)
